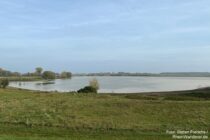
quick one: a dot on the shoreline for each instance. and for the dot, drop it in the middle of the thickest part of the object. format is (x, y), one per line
(134, 93)
(126, 85)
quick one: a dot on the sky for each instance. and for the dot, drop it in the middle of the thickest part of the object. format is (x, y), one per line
(105, 35)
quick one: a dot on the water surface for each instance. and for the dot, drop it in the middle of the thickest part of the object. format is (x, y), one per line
(122, 84)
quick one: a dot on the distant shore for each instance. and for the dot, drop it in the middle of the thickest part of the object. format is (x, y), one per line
(164, 74)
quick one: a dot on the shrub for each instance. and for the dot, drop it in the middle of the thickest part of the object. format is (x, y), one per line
(94, 83)
(87, 89)
(4, 83)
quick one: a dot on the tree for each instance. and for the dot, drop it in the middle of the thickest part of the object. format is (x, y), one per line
(65, 75)
(4, 83)
(94, 83)
(48, 75)
(39, 71)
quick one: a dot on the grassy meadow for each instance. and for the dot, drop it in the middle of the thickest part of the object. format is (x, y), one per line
(33, 115)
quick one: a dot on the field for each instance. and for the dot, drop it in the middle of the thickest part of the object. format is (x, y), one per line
(33, 115)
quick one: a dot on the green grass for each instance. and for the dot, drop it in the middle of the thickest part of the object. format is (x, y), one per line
(39, 115)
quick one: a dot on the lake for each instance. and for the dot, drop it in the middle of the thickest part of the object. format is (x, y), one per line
(122, 84)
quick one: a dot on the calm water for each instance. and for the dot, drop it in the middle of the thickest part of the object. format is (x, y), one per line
(121, 84)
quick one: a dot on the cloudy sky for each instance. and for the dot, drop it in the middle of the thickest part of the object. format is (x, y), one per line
(105, 35)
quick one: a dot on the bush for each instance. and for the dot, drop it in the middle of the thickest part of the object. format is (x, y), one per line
(4, 83)
(87, 89)
(94, 83)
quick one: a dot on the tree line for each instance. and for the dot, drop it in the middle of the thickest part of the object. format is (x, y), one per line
(5, 75)
(39, 72)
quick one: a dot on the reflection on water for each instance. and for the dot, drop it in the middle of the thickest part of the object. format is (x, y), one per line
(121, 84)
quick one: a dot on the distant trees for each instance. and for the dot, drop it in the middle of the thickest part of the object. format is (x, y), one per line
(65, 75)
(16, 74)
(4, 83)
(39, 71)
(48, 75)
(6, 73)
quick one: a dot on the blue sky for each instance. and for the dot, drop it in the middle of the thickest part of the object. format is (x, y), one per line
(105, 35)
